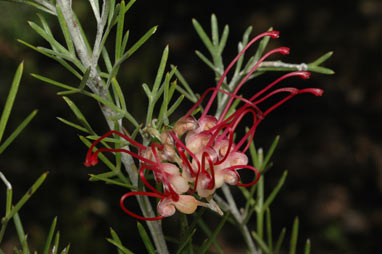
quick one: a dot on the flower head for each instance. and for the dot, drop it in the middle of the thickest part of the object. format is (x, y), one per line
(198, 155)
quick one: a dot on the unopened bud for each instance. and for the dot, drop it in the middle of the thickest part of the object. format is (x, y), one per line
(186, 204)
(184, 125)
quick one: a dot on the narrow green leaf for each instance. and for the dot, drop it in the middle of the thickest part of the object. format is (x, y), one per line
(214, 30)
(119, 31)
(59, 57)
(203, 36)
(124, 41)
(61, 61)
(307, 247)
(112, 10)
(186, 242)
(207, 62)
(129, 52)
(27, 195)
(111, 181)
(276, 190)
(17, 131)
(175, 105)
(78, 127)
(260, 242)
(190, 93)
(46, 28)
(269, 229)
(21, 234)
(65, 250)
(119, 93)
(145, 238)
(49, 38)
(160, 72)
(115, 237)
(106, 59)
(53, 82)
(280, 241)
(253, 152)
(293, 239)
(120, 246)
(320, 69)
(323, 58)
(211, 239)
(65, 30)
(78, 114)
(10, 99)
(56, 243)
(50, 236)
(84, 79)
(223, 39)
(270, 152)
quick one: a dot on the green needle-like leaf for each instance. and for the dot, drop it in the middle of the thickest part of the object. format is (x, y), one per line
(56, 243)
(276, 190)
(280, 241)
(49, 38)
(270, 152)
(269, 230)
(146, 239)
(186, 242)
(27, 196)
(65, 30)
(110, 181)
(84, 79)
(53, 82)
(17, 131)
(118, 37)
(50, 236)
(78, 114)
(211, 239)
(120, 246)
(214, 30)
(78, 127)
(21, 234)
(323, 58)
(293, 239)
(307, 247)
(203, 36)
(260, 242)
(10, 99)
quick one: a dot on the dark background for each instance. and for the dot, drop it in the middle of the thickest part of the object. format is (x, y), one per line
(331, 145)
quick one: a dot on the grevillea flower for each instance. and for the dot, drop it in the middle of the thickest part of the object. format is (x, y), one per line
(198, 155)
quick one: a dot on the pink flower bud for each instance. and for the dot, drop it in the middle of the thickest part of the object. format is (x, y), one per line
(195, 142)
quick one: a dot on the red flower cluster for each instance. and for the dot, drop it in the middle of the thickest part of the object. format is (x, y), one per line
(197, 156)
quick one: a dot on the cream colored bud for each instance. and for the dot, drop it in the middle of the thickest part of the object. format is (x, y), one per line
(184, 125)
(206, 123)
(237, 158)
(170, 168)
(186, 204)
(231, 177)
(179, 184)
(196, 142)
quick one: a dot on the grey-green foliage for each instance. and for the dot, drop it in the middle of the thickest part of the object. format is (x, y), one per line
(12, 209)
(82, 60)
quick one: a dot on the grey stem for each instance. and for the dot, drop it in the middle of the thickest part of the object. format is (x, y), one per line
(239, 218)
(95, 84)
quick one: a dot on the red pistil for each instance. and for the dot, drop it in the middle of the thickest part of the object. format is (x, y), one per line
(140, 193)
